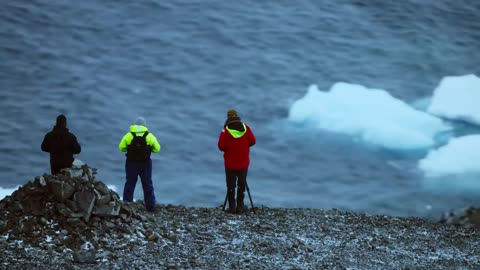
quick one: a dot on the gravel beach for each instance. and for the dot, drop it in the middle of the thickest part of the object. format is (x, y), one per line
(74, 221)
(208, 238)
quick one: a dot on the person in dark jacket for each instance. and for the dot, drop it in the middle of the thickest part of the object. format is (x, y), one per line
(61, 144)
(235, 141)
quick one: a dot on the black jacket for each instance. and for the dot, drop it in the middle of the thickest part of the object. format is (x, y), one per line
(62, 145)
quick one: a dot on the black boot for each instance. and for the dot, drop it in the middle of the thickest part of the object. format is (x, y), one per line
(240, 207)
(231, 202)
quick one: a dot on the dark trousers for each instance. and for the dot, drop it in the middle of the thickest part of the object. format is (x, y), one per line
(133, 169)
(55, 167)
(236, 178)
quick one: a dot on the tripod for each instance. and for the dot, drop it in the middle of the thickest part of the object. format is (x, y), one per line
(249, 196)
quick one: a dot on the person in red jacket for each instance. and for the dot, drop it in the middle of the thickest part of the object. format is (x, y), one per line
(235, 141)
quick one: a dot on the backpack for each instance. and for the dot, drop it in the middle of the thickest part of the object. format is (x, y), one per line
(138, 150)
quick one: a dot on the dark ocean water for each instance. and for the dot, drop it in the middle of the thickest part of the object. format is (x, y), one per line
(182, 64)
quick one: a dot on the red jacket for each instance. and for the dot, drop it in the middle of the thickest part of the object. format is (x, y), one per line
(235, 141)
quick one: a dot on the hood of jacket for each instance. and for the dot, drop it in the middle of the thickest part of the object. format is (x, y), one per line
(138, 128)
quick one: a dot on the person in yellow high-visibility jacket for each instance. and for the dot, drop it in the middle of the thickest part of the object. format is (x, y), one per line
(138, 144)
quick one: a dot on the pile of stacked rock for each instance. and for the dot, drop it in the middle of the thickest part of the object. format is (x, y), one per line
(69, 210)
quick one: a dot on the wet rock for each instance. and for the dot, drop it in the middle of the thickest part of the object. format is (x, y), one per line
(84, 256)
(17, 207)
(3, 226)
(61, 189)
(36, 207)
(103, 200)
(107, 210)
(153, 237)
(102, 188)
(104, 255)
(72, 205)
(128, 208)
(40, 181)
(79, 170)
(124, 228)
(76, 215)
(85, 201)
(75, 173)
(75, 222)
(172, 237)
(109, 224)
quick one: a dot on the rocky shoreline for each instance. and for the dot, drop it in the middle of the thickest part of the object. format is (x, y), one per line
(44, 225)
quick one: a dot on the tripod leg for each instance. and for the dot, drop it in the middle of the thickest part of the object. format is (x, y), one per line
(225, 202)
(250, 197)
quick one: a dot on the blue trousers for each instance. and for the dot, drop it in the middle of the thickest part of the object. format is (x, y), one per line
(134, 169)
